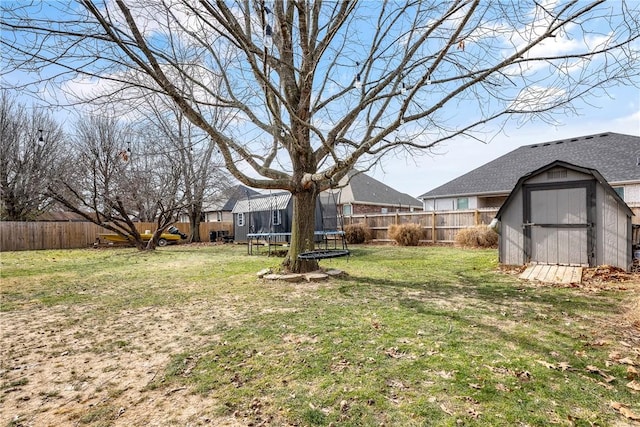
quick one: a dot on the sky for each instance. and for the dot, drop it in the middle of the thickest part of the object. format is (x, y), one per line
(618, 112)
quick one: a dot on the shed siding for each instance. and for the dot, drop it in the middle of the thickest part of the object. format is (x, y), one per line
(553, 175)
(612, 242)
(556, 204)
(511, 237)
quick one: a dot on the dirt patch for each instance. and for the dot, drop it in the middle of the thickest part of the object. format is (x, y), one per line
(60, 367)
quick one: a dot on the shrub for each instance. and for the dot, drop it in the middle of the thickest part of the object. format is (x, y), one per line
(357, 233)
(633, 313)
(406, 234)
(480, 236)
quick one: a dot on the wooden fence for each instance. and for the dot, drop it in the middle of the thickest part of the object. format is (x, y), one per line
(20, 236)
(439, 227)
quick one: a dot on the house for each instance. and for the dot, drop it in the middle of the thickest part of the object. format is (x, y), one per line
(615, 156)
(219, 210)
(60, 216)
(565, 214)
(272, 214)
(358, 193)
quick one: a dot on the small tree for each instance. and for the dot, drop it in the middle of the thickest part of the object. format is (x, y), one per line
(202, 174)
(111, 186)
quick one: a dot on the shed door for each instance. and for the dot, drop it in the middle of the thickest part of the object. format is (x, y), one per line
(559, 226)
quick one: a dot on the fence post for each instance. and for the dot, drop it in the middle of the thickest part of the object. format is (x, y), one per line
(433, 227)
(476, 217)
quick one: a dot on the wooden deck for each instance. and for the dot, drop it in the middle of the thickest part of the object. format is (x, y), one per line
(552, 273)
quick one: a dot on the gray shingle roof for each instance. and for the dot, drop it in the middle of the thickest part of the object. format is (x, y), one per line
(226, 200)
(614, 155)
(366, 190)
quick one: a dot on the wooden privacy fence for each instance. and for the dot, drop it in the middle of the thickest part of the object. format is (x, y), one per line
(439, 227)
(21, 236)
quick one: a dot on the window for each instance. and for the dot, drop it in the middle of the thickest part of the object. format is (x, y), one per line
(346, 210)
(240, 219)
(276, 218)
(384, 210)
(463, 203)
(620, 191)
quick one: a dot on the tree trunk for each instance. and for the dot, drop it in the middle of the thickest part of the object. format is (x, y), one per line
(302, 229)
(194, 225)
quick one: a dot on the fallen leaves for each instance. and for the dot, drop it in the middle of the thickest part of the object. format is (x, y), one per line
(632, 373)
(562, 366)
(395, 353)
(623, 410)
(595, 370)
(634, 385)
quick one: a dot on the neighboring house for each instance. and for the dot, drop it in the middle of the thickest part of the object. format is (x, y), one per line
(615, 156)
(358, 193)
(60, 216)
(273, 214)
(564, 214)
(220, 209)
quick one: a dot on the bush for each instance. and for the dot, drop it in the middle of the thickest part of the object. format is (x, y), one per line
(633, 313)
(357, 233)
(480, 236)
(406, 234)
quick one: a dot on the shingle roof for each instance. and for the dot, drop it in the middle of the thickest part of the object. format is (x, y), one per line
(363, 189)
(614, 155)
(226, 200)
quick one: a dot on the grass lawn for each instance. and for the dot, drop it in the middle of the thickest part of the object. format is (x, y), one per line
(428, 336)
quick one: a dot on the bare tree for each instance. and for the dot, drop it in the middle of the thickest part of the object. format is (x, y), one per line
(32, 154)
(113, 186)
(203, 175)
(315, 87)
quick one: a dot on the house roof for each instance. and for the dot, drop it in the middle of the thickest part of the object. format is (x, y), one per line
(227, 199)
(60, 216)
(558, 163)
(359, 188)
(269, 202)
(615, 156)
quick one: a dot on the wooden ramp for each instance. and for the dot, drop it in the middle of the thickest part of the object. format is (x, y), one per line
(552, 273)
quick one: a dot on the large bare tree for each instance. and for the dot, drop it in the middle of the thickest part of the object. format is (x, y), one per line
(317, 87)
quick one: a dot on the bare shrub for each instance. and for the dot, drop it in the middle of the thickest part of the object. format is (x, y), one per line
(357, 233)
(480, 236)
(406, 234)
(633, 313)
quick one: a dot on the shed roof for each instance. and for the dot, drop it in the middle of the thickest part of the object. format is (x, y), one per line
(269, 202)
(588, 171)
(615, 156)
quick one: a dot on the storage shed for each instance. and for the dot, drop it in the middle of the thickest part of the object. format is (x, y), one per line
(273, 214)
(563, 214)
